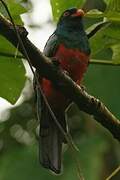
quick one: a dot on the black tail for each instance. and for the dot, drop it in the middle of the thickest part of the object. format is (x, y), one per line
(50, 144)
(51, 138)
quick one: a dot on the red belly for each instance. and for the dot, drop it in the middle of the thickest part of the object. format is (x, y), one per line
(75, 63)
(56, 99)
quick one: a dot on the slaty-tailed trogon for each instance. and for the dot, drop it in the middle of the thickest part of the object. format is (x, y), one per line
(69, 46)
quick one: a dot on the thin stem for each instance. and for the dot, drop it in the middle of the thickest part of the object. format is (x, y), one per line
(92, 61)
(10, 55)
(104, 62)
(113, 173)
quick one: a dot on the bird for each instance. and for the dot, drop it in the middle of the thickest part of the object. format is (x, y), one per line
(68, 47)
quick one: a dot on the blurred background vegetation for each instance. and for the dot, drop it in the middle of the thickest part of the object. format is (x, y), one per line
(99, 153)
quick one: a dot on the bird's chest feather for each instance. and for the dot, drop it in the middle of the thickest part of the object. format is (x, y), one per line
(73, 61)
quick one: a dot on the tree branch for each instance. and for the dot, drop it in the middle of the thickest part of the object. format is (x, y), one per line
(61, 81)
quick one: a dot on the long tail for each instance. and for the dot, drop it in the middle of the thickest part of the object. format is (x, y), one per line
(50, 144)
(51, 139)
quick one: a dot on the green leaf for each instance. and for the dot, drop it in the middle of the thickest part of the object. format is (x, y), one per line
(15, 10)
(59, 6)
(116, 53)
(112, 5)
(112, 16)
(112, 11)
(6, 46)
(12, 73)
(94, 13)
(2, 9)
(105, 38)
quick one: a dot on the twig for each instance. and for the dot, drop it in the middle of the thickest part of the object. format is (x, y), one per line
(113, 173)
(104, 62)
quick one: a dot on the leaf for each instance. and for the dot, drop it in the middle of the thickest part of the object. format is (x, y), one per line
(15, 10)
(2, 9)
(6, 46)
(112, 11)
(94, 13)
(113, 16)
(59, 6)
(105, 38)
(116, 53)
(12, 73)
(112, 5)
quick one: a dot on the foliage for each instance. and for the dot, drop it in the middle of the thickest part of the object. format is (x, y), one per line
(15, 8)
(18, 145)
(12, 76)
(60, 6)
(12, 70)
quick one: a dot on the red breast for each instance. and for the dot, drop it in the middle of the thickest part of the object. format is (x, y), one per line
(73, 61)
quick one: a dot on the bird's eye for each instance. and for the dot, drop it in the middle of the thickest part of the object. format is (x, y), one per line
(66, 13)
